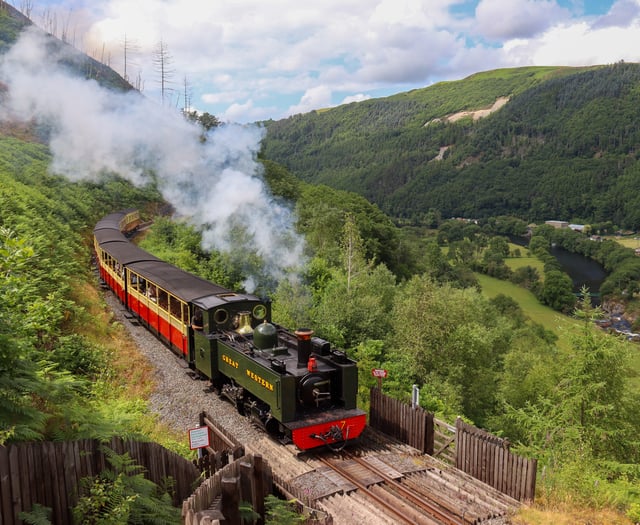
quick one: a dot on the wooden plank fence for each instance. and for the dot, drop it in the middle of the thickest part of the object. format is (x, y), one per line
(413, 426)
(223, 450)
(487, 457)
(218, 499)
(49, 473)
(474, 451)
(219, 437)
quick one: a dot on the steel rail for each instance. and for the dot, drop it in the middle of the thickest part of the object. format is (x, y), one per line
(396, 512)
(432, 509)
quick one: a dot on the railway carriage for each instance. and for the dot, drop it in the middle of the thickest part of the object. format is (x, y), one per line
(291, 383)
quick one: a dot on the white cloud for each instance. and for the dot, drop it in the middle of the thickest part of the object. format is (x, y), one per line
(579, 44)
(258, 57)
(313, 98)
(355, 98)
(622, 14)
(500, 19)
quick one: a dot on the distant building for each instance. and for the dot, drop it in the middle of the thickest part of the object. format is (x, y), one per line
(557, 224)
(577, 227)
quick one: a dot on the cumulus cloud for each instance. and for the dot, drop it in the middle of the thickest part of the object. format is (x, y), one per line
(355, 98)
(241, 64)
(217, 183)
(500, 19)
(317, 97)
(622, 14)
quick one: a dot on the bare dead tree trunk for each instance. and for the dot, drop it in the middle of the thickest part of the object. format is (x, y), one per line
(162, 61)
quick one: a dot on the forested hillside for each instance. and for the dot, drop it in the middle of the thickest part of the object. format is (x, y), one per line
(563, 147)
(392, 298)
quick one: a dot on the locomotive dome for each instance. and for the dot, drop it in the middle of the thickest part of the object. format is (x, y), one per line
(265, 336)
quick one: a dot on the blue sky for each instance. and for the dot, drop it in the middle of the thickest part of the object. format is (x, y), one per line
(249, 60)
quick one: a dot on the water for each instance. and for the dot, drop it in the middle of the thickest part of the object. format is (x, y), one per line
(582, 270)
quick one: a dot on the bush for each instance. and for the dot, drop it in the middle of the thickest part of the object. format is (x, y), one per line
(78, 356)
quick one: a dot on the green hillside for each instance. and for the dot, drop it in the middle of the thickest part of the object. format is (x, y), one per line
(563, 146)
(12, 22)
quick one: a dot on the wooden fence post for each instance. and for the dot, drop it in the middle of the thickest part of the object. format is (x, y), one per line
(231, 500)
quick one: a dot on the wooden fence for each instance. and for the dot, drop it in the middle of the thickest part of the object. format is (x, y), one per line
(397, 419)
(224, 449)
(487, 457)
(472, 450)
(49, 473)
(247, 480)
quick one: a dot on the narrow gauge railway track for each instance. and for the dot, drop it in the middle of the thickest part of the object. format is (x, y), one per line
(180, 399)
(405, 504)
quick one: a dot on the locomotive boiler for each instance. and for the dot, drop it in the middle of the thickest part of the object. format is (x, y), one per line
(291, 383)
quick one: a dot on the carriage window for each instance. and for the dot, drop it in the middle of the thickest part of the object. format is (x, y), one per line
(163, 299)
(175, 307)
(185, 312)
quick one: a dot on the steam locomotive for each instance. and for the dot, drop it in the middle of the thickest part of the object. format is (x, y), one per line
(292, 384)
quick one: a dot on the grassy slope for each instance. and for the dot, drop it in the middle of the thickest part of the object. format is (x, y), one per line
(539, 313)
(544, 315)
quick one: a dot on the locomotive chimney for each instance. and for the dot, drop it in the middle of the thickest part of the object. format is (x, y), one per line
(304, 346)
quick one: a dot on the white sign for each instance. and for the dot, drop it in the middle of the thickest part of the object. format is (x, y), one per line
(198, 437)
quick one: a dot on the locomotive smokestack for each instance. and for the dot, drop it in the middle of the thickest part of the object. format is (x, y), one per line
(304, 345)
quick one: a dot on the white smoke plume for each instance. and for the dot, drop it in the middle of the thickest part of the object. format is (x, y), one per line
(216, 183)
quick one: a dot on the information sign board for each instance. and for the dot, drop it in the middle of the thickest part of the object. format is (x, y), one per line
(198, 437)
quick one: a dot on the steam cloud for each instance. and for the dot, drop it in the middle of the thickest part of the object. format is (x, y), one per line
(94, 131)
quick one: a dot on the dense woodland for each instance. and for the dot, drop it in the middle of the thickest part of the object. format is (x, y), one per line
(404, 299)
(563, 147)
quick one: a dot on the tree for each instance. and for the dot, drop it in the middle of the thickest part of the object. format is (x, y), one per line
(575, 405)
(187, 95)
(451, 337)
(557, 291)
(128, 47)
(539, 244)
(208, 121)
(350, 313)
(162, 61)
(352, 249)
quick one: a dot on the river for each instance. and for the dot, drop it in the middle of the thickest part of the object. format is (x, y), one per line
(582, 270)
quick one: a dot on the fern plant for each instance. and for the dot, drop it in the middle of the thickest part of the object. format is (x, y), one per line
(38, 515)
(123, 495)
(281, 512)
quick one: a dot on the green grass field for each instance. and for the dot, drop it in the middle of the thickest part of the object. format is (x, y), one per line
(560, 324)
(518, 262)
(627, 242)
(537, 312)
